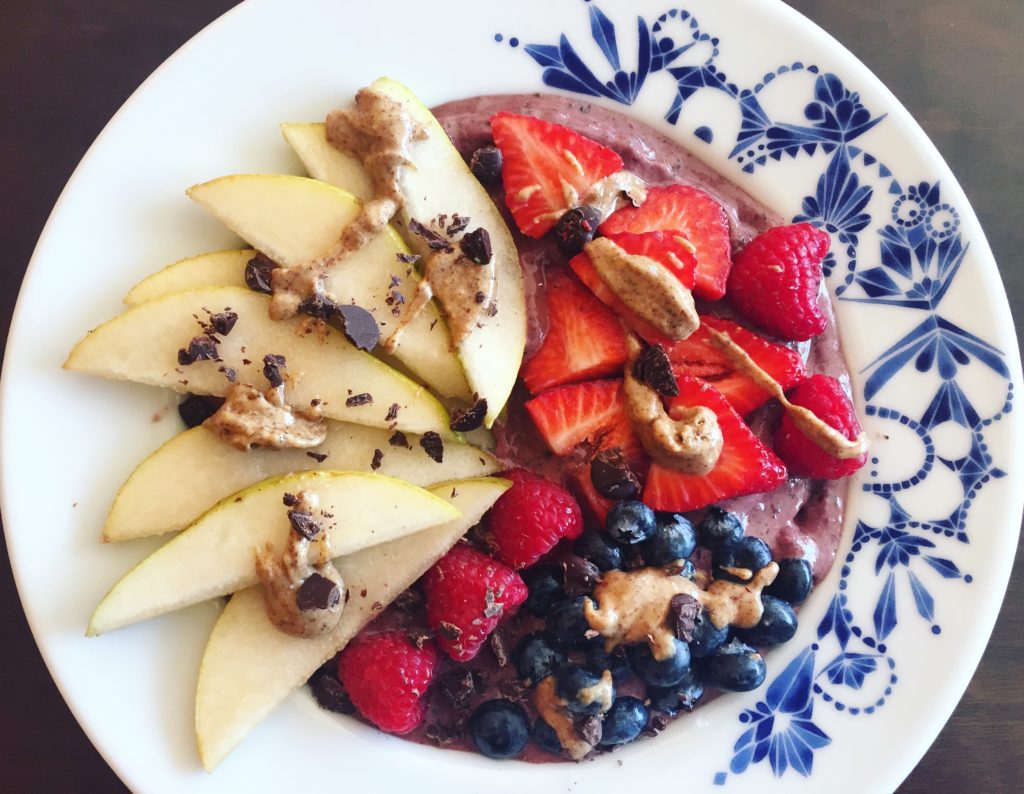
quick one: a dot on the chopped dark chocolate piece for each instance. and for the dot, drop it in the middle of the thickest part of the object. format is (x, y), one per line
(398, 439)
(477, 246)
(576, 228)
(319, 457)
(360, 327)
(457, 687)
(433, 445)
(290, 500)
(486, 165)
(392, 412)
(654, 368)
(319, 306)
(410, 601)
(581, 575)
(257, 273)
(590, 730)
(330, 694)
(196, 408)
(418, 637)
(480, 297)
(409, 259)
(458, 224)
(683, 610)
(449, 631)
(272, 366)
(230, 373)
(612, 477)
(378, 458)
(471, 418)
(200, 348)
(434, 241)
(498, 648)
(365, 398)
(303, 523)
(223, 322)
(317, 592)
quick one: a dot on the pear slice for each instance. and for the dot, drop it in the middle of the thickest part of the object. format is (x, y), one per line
(215, 555)
(309, 142)
(216, 269)
(195, 470)
(142, 345)
(249, 667)
(294, 220)
(441, 183)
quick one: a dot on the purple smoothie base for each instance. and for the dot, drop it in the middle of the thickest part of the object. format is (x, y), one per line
(801, 518)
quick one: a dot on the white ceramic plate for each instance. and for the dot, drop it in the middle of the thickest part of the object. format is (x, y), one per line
(887, 644)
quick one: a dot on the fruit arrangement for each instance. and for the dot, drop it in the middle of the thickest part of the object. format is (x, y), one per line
(336, 373)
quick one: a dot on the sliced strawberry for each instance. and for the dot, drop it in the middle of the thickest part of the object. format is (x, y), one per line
(697, 216)
(698, 355)
(585, 339)
(670, 248)
(594, 412)
(546, 168)
(583, 267)
(745, 466)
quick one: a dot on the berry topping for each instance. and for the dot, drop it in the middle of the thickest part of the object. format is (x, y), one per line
(584, 339)
(530, 518)
(567, 626)
(630, 522)
(545, 585)
(825, 397)
(585, 690)
(545, 737)
(386, 677)
(777, 625)
(617, 662)
(667, 672)
(600, 550)
(744, 466)
(735, 667)
(674, 539)
(719, 528)
(547, 169)
(776, 279)
(575, 228)
(793, 584)
(698, 355)
(747, 552)
(499, 728)
(684, 695)
(536, 658)
(467, 594)
(706, 638)
(485, 164)
(624, 721)
(693, 214)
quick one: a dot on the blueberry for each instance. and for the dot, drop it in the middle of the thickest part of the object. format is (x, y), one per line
(599, 549)
(545, 585)
(536, 659)
(486, 165)
(616, 661)
(777, 625)
(566, 624)
(684, 695)
(674, 539)
(735, 667)
(576, 228)
(630, 522)
(706, 638)
(583, 689)
(499, 728)
(794, 582)
(624, 721)
(545, 738)
(667, 672)
(748, 552)
(719, 528)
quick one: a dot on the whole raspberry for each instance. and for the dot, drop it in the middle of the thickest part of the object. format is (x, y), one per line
(530, 518)
(775, 281)
(467, 594)
(386, 677)
(827, 399)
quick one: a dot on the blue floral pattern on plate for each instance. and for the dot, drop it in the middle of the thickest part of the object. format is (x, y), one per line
(908, 264)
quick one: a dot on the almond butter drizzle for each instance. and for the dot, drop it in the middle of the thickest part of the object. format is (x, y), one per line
(250, 418)
(824, 435)
(553, 711)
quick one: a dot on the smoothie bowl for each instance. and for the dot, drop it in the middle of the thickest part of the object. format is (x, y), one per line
(569, 462)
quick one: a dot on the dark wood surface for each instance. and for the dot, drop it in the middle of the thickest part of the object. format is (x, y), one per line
(67, 65)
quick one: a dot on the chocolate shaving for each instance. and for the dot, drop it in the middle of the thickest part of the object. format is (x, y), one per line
(449, 631)
(330, 694)
(409, 259)
(200, 348)
(290, 500)
(272, 366)
(392, 412)
(654, 368)
(440, 735)
(359, 326)
(319, 306)
(492, 607)
(612, 477)
(257, 273)
(458, 224)
(581, 576)
(683, 610)
(477, 246)
(319, 457)
(457, 687)
(398, 439)
(196, 409)
(471, 418)
(359, 399)
(434, 241)
(304, 524)
(409, 601)
(656, 724)
(378, 457)
(498, 648)
(318, 592)
(433, 445)
(590, 730)
(418, 637)
(230, 373)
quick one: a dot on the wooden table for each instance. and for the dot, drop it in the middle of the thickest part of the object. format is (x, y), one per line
(67, 65)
